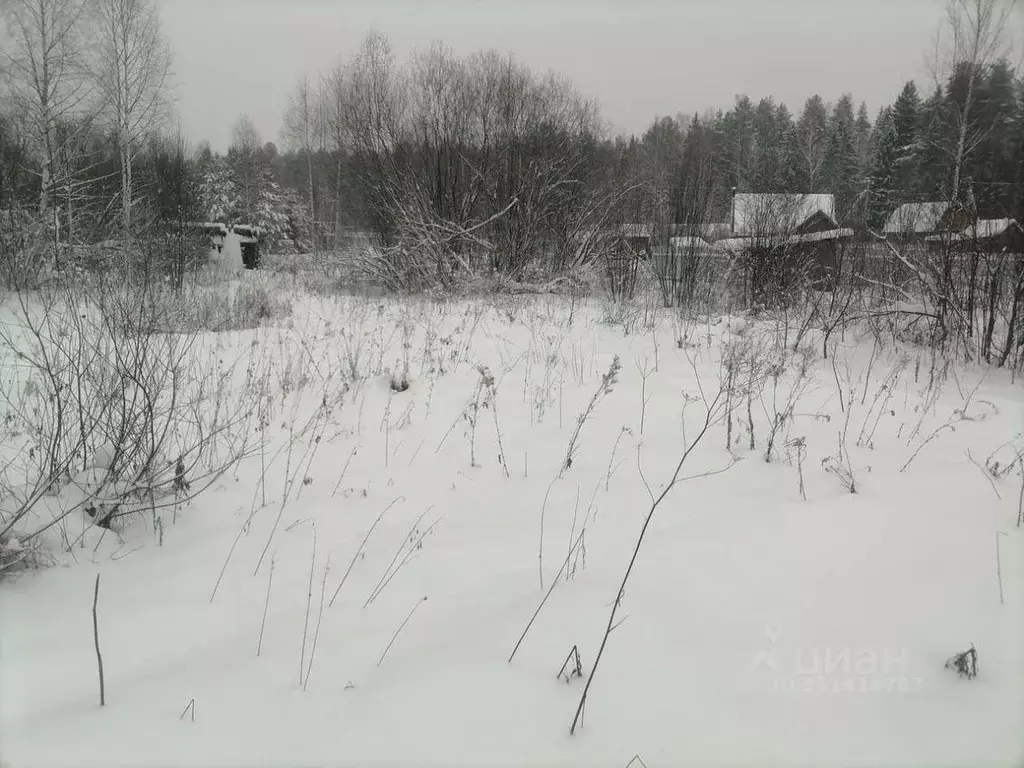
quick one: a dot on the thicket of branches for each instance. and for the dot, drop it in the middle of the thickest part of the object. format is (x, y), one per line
(455, 164)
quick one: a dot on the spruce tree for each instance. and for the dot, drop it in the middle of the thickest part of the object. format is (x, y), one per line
(810, 138)
(882, 195)
(841, 158)
(906, 116)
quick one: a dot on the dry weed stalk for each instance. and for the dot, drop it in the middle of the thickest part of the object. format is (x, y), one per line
(608, 381)
(714, 412)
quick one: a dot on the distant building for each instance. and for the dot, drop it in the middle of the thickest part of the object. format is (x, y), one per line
(760, 215)
(919, 221)
(684, 243)
(800, 230)
(985, 235)
(215, 231)
(249, 241)
(639, 238)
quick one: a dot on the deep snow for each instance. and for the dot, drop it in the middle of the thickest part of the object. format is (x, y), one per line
(757, 627)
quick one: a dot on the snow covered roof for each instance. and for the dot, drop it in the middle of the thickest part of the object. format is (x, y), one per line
(716, 230)
(983, 229)
(761, 214)
(915, 218)
(688, 241)
(209, 226)
(739, 244)
(732, 244)
(637, 230)
(817, 237)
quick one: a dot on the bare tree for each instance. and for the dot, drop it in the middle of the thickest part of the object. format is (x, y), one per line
(44, 61)
(977, 39)
(133, 66)
(247, 163)
(301, 131)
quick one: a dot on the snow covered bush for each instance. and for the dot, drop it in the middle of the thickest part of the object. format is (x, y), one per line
(221, 307)
(105, 408)
(256, 301)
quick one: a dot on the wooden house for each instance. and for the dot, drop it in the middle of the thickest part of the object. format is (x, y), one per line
(917, 222)
(639, 238)
(984, 236)
(781, 215)
(787, 233)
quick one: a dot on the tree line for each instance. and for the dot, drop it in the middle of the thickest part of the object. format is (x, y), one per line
(473, 162)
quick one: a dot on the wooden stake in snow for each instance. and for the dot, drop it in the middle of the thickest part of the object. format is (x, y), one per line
(96, 639)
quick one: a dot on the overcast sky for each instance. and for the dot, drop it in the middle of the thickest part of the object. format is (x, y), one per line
(640, 58)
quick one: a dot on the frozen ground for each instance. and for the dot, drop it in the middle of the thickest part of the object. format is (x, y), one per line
(757, 627)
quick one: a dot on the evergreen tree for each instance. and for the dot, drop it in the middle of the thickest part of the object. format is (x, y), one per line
(766, 160)
(270, 209)
(906, 118)
(932, 156)
(841, 158)
(882, 195)
(991, 167)
(218, 191)
(810, 138)
(788, 152)
(863, 131)
(1015, 201)
(299, 218)
(739, 138)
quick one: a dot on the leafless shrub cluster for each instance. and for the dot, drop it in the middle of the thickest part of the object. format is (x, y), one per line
(468, 165)
(105, 414)
(249, 304)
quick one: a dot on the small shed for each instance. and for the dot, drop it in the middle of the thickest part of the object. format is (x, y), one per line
(215, 231)
(249, 242)
(639, 238)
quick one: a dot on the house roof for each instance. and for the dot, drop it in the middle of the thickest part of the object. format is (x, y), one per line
(817, 237)
(915, 218)
(983, 229)
(688, 241)
(716, 230)
(208, 225)
(739, 244)
(637, 230)
(759, 214)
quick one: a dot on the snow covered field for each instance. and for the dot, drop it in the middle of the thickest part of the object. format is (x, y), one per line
(772, 616)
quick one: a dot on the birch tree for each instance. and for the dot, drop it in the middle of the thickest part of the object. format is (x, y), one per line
(977, 39)
(43, 56)
(133, 67)
(246, 161)
(301, 132)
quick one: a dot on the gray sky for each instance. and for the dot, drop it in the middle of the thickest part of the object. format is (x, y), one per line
(640, 58)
